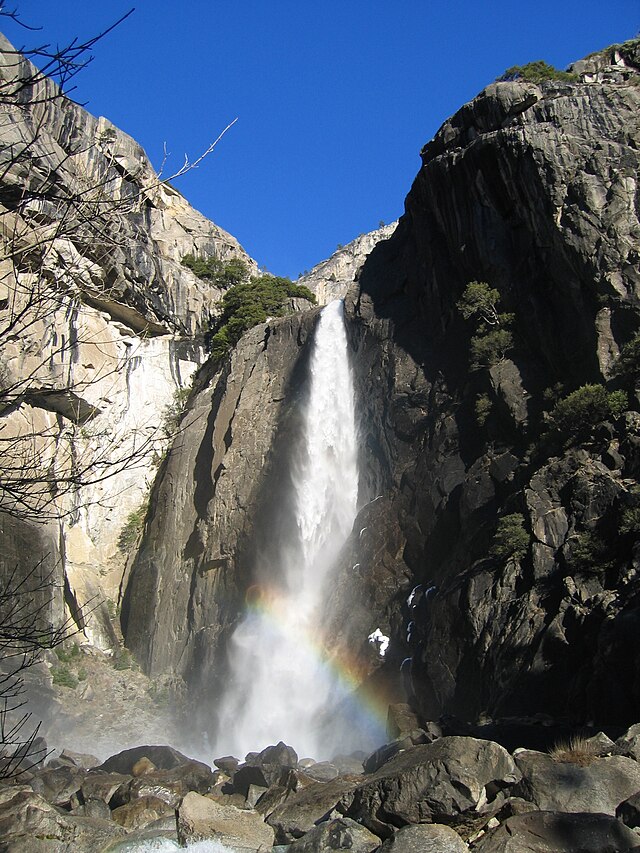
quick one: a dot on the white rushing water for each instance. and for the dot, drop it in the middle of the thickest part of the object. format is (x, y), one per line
(280, 684)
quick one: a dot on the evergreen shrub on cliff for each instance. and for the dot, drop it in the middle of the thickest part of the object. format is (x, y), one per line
(492, 338)
(222, 275)
(627, 366)
(511, 538)
(249, 303)
(537, 72)
(576, 415)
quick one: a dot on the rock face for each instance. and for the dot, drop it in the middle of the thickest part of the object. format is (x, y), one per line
(332, 278)
(222, 481)
(99, 325)
(530, 188)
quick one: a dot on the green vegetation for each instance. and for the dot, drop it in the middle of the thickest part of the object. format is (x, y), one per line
(173, 411)
(223, 275)
(132, 527)
(122, 660)
(630, 521)
(159, 694)
(627, 366)
(511, 538)
(489, 348)
(483, 408)
(537, 72)
(492, 338)
(248, 303)
(577, 414)
(68, 653)
(589, 551)
(63, 677)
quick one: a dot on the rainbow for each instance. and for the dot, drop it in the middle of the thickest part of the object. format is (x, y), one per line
(365, 704)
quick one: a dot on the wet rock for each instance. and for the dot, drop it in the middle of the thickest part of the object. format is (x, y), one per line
(172, 785)
(111, 788)
(142, 767)
(564, 786)
(60, 786)
(401, 719)
(200, 818)
(339, 834)
(163, 757)
(550, 832)
(436, 782)
(141, 812)
(425, 838)
(27, 817)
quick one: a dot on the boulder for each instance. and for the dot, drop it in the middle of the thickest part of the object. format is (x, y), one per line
(339, 834)
(111, 788)
(401, 719)
(425, 838)
(308, 806)
(141, 812)
(164, 758)
(553, 832)
(59, 786)
(433, 783)
(172, 785)
(629, 811)
(629, 742)
(567, 787)
(142, 767)
(27, 820)
(77, 759)
(201, 818)
(228, 763)
(384, 753)
(322, 771)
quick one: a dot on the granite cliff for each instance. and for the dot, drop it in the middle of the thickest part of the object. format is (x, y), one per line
(100, 326)
(531, 188)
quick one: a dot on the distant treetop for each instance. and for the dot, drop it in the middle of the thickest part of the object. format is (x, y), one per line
(537, 72)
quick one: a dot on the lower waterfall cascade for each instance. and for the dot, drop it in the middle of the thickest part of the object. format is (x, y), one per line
(281, 686)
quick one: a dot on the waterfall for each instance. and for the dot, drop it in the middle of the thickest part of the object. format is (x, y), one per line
(280, 684)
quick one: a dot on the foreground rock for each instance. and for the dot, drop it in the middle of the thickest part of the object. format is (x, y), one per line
(564, 786)
(339, 834)
(425, 838)
(29, 824)
(440, 782)
(201, 818)
(551, 832)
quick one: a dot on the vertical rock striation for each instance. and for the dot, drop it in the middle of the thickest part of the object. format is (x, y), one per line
(533, 189)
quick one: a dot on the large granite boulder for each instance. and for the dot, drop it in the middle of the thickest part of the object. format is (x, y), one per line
(565, 786)
(440, 782)
(29, 824)
(200, 818)
(551, 832)
(425, 838)
(339, 834)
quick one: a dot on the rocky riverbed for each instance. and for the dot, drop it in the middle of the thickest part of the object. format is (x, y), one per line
(427, 789)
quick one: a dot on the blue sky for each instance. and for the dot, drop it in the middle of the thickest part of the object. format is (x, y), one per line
(334, 99)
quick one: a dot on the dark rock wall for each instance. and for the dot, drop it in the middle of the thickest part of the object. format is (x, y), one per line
(532, 189)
